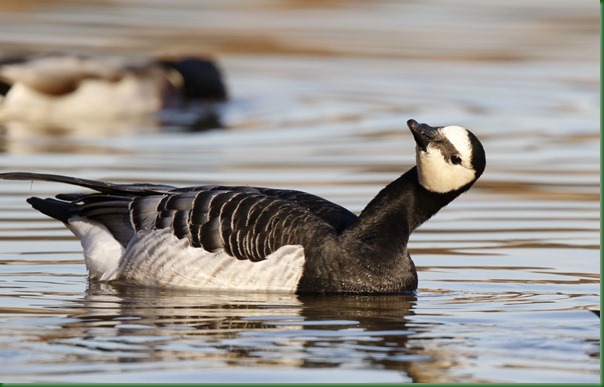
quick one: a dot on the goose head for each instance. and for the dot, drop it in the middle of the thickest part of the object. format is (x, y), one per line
(449, 158)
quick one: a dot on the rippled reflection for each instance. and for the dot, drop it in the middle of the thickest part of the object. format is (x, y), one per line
(130, 325)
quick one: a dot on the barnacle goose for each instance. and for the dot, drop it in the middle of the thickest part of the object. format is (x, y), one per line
(265, 239)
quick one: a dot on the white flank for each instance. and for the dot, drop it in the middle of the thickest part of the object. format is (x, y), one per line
(159, 259)
(101, 251)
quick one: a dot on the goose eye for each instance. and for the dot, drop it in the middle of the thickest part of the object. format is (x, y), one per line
(456, 160)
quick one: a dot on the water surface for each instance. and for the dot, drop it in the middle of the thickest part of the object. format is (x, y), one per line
(320, 93)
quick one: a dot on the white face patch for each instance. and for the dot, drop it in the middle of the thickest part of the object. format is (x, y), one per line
(437, 173)
(458, 136)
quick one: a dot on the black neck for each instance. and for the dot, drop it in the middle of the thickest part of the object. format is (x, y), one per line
(396, 211)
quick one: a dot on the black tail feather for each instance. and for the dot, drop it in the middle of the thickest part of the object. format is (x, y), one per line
(52, 207)
(100, 186)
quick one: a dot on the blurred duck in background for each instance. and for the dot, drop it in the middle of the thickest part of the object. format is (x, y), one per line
(60, 89)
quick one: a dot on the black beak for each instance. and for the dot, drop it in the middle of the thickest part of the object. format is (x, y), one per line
(423, 134)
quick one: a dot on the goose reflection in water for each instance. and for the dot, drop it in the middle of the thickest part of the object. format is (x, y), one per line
(113, 325)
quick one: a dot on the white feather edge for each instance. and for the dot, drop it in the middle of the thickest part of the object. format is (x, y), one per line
(158, 259)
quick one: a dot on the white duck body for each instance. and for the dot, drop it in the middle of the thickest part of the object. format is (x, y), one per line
(60, 89)
(128, 97)
(56, 89)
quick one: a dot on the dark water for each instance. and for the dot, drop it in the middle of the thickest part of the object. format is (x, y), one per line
(320, 93)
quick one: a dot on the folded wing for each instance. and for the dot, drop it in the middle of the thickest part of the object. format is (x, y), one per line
(247, 222)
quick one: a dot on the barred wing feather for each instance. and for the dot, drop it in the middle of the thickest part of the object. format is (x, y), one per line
(248, 223)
